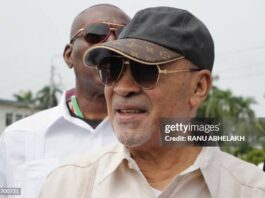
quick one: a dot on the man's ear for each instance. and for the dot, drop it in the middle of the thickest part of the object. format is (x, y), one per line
(67, 55)
(201, 85)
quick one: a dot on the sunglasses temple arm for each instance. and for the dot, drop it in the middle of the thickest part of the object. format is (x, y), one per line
(164, 71)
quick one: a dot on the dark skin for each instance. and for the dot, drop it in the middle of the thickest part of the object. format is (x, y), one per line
(89, 90)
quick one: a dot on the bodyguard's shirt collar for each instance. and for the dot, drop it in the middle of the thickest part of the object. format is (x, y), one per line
(64, 111)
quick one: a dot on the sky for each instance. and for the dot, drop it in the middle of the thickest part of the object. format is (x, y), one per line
(34, 33)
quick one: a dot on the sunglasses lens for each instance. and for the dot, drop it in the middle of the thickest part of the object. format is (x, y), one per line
(96, 33)
(144, 75)
(110, 69)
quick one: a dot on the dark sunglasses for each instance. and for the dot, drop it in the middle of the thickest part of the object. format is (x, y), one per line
(95, 33)
(110, 70)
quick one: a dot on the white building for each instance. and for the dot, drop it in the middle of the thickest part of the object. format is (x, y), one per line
(11, 111)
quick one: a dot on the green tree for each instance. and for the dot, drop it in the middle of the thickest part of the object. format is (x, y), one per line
(254, 155)
(47, 97)
(25, 97)
(222, 103)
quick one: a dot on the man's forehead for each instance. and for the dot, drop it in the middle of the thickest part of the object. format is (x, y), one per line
(100, 14)
(104, 13)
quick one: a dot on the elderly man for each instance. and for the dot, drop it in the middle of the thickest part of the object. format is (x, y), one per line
(34, 146)
(160, 66)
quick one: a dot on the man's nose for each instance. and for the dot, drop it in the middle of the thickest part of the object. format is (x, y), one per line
(126, 85)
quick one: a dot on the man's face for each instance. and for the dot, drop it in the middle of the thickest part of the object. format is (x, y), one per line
(135, 112)
(87, 78)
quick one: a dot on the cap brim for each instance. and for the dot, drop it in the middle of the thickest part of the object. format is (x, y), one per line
(135, 49)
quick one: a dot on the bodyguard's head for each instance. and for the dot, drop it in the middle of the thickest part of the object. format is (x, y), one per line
(92, 26)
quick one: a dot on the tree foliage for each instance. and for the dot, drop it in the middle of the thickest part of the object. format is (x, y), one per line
(45, 97)
(222, 104)
(24, 97)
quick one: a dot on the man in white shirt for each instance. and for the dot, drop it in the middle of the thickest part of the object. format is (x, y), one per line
(160, 67)
(32, 147)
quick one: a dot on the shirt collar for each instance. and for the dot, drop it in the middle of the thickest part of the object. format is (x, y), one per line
(64, 112)
(207, 162)
(115, 156)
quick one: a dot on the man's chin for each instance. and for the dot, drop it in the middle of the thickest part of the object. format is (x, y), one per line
(131, 140)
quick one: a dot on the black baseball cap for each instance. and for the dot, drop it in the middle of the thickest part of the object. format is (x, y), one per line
(160, 35)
